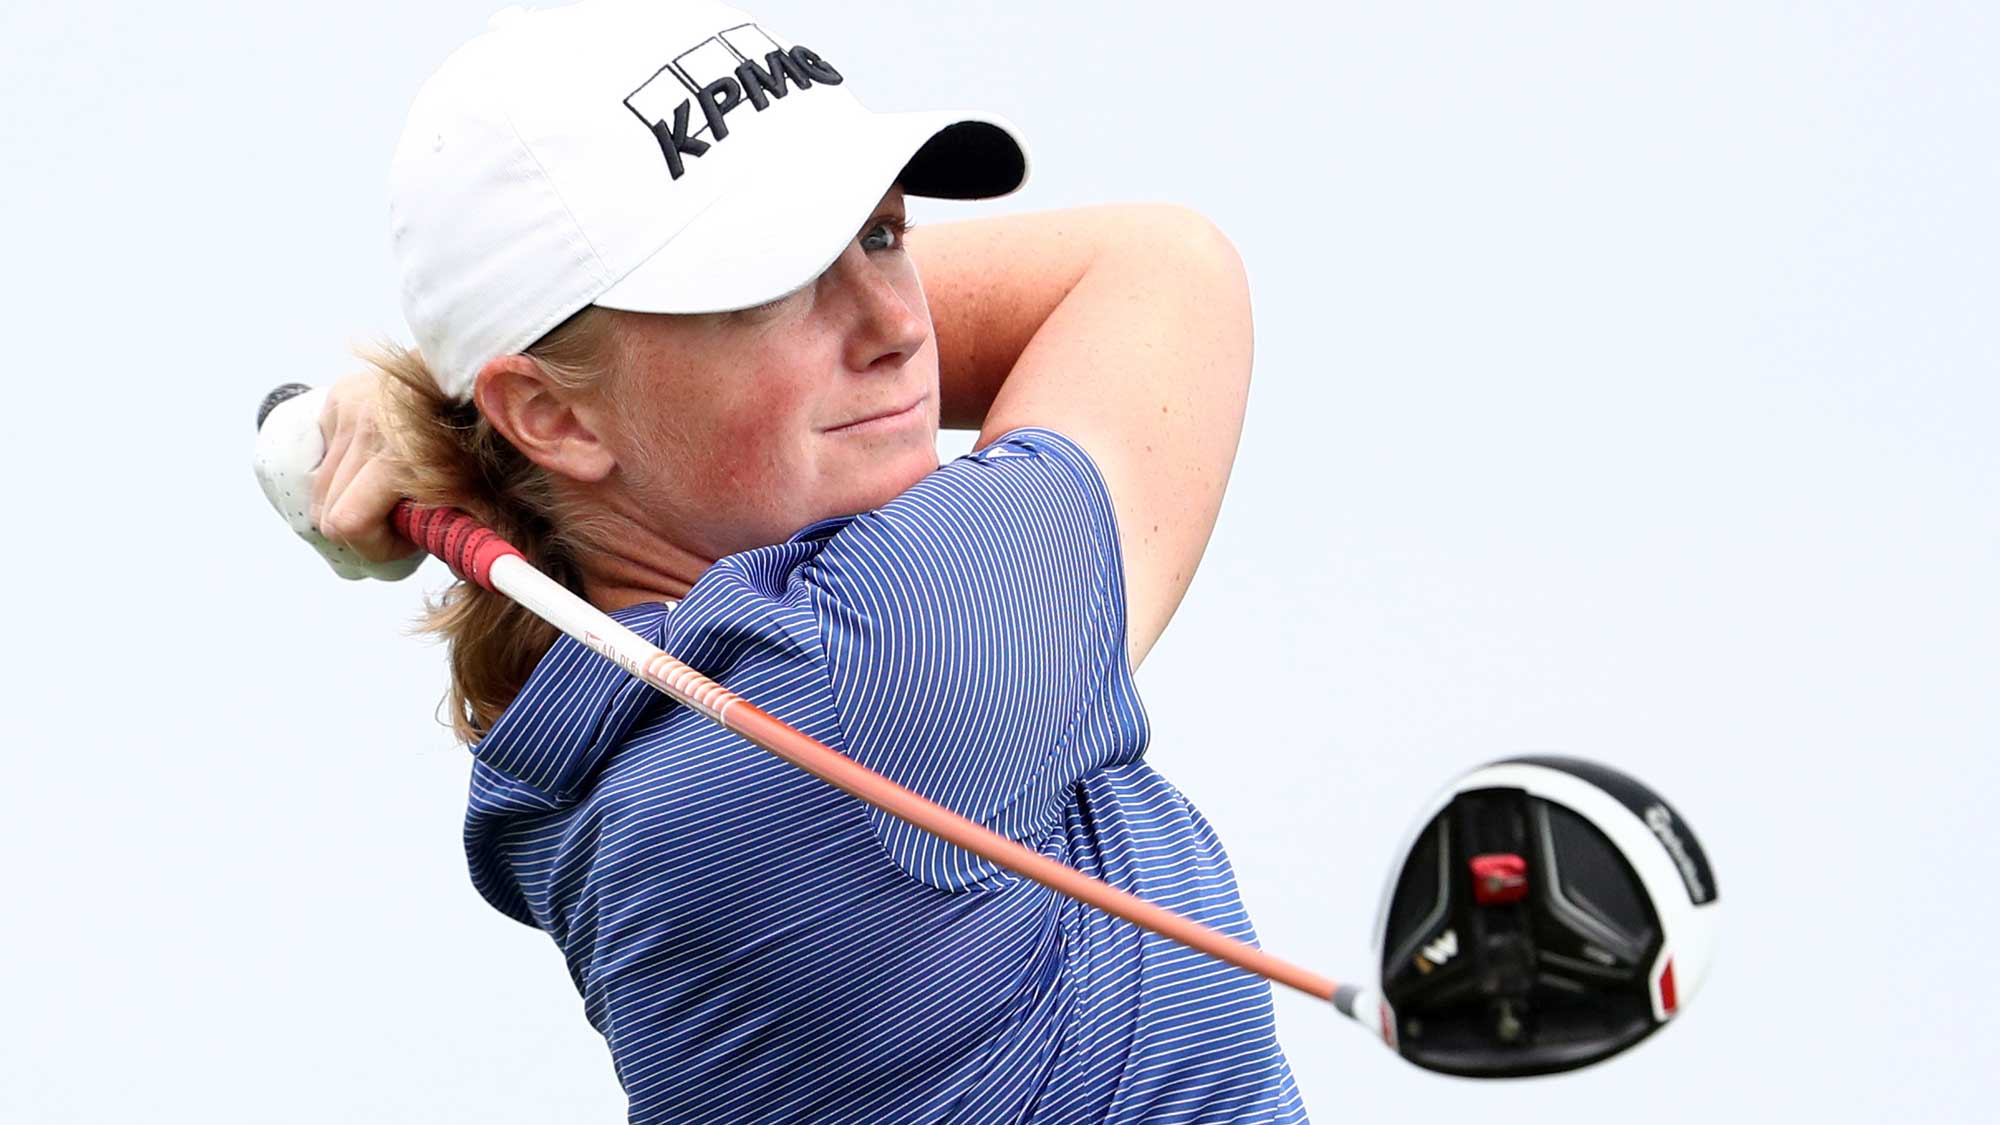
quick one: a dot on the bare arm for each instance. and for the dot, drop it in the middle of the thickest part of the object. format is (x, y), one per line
(1126, 328)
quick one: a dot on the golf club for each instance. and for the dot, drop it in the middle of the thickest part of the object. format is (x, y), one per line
(1545, 914)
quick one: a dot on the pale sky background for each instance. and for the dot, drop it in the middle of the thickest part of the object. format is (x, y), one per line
(1625, 388)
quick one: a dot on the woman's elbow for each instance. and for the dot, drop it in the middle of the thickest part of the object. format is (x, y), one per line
(1190, 247)
(1183, 236)
(1190, 244)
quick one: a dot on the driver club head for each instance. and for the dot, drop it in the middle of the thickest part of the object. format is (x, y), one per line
(1545, 914)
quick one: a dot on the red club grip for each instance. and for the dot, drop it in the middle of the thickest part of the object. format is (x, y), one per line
(467, 546)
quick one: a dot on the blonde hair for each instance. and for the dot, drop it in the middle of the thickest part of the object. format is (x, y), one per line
(447, 453)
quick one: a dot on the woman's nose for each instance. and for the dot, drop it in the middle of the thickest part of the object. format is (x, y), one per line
(888, 329)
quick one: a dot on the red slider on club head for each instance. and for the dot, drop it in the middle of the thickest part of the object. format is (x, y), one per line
(1499, 879)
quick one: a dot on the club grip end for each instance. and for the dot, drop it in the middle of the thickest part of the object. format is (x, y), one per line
(467, 546)
(278, 394)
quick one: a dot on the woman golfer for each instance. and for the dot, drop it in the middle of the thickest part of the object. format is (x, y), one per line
(672, 343)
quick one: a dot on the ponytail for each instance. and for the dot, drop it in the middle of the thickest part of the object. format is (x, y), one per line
(447, 453)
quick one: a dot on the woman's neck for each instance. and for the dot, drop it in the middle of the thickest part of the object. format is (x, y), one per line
(626, 563)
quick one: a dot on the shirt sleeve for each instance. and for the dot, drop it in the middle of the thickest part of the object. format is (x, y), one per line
(975, 639)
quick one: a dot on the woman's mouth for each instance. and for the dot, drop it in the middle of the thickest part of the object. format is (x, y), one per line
(883, 420)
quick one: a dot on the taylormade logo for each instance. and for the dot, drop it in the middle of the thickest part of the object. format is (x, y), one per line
(717, 76)
(1662, 823)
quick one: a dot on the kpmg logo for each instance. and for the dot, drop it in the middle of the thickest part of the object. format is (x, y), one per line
(716, 76)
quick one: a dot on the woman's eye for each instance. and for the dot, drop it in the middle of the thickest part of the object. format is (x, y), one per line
(886, 234)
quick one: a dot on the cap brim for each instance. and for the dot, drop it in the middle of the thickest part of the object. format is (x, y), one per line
(779, 227)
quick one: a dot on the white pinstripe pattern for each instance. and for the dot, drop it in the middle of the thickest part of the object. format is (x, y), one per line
(757, 946)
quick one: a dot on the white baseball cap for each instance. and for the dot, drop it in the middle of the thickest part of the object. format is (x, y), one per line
(664, 156)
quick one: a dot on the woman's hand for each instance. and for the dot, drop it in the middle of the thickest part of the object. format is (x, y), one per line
(355, 486)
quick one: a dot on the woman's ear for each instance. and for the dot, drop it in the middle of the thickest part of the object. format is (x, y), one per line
(551, 426)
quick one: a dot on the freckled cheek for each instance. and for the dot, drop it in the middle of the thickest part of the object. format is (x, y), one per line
(751, 449)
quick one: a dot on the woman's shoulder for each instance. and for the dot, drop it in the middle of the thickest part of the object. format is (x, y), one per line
(1027, 483)
(1016, 536)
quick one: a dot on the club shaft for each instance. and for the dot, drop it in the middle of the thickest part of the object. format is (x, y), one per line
(549, 600)
(447, 533)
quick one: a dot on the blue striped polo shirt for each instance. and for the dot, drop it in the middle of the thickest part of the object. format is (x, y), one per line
(755, 945)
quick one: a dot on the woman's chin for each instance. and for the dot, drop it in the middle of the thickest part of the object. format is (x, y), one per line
(890, 478)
